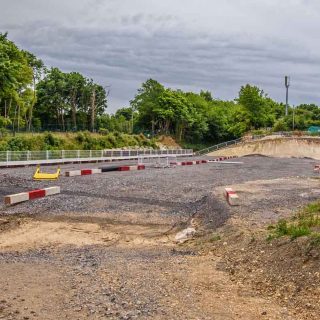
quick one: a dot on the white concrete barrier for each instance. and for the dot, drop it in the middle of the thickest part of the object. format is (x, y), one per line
(30, 195)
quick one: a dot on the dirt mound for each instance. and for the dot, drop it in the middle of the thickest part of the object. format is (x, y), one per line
(167, 142)
(283, 269)
(299, 147)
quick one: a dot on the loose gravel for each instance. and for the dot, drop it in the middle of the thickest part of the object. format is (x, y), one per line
(170, 191)
(139, 281)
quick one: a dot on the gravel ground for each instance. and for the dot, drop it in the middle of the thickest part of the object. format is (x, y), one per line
(165, 191)
(72, 256)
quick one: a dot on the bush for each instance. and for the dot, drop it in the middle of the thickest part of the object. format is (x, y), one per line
(80, 137)
(305, 223)
(280, 125)
(51, 141)
(103, 131)
(70, 141)
(18, 144)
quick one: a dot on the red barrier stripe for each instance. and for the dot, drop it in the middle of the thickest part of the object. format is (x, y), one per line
(141, 167)
(124, 168)
(37, 194)
(86, 172)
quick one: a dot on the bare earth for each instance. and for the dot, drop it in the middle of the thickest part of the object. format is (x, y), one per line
(105, 248)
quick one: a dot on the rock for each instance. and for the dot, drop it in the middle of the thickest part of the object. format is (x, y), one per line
(185, 234)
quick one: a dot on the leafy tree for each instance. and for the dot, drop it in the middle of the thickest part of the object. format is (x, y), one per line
(52, 104)
(38, 68)
(253, 100)
(75, 83)
(206, 95)
(147, 102)
(15, 77)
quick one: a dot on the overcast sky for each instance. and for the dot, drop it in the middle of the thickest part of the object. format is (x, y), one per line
(188, 44)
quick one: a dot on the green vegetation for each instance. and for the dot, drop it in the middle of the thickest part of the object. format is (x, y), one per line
(214, 237)
(305, 223)
(36, 99)
(74, 141)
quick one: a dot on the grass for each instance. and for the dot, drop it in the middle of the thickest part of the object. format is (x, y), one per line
(305, 223)
(214, 237)
(73, 141)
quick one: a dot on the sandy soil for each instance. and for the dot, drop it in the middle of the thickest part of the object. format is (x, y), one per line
(116, 258)
(300, 147)
(145, 274)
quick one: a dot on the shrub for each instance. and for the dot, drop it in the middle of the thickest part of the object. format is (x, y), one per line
(80, 137)
(18, 144)
(51, 141)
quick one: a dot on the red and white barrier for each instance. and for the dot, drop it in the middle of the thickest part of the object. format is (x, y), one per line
(84, 172)
(231, 197)
(30, 195)
(176, 163)
(129, 168)
(316, 168)
(190, 163)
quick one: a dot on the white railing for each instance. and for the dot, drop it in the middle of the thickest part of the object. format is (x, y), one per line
(11, 158)
(219, 146)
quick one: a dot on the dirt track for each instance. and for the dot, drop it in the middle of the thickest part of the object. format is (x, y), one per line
(104, 248)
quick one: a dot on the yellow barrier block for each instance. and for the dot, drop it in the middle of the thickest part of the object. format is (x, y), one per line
(46, 176)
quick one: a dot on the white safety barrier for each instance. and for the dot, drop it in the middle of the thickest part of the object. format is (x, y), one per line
(30, 195)
(231, 197)
(23, 158)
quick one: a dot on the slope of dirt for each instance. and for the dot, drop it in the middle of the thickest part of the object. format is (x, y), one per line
(167, 142)
(283, 270)
(275, 147)
(62, 268)
(105, 248)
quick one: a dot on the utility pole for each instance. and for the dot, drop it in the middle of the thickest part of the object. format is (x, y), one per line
(287, 84)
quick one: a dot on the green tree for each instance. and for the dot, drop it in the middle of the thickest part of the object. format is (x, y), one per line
(146, 102)
(253, 100)
(15, 77)
(52, 105)
(38, 68)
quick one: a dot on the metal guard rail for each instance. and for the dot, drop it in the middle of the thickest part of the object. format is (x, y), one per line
(8, 158)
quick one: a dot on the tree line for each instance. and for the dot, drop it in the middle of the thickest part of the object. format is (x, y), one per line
(34, 98)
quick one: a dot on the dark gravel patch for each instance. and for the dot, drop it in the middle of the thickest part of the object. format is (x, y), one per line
(162, 191)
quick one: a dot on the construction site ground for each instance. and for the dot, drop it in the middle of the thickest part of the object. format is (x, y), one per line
(105, 247)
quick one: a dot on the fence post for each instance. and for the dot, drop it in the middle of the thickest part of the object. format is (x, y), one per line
(78, 154)
(62, 154)
(47, 154)
(7, 156)
(101, 153)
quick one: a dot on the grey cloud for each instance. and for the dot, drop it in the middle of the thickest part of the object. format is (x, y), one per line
(137, 46)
